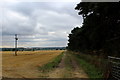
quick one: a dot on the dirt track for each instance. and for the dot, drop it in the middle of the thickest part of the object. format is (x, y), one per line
(64, 70)
(25, 65)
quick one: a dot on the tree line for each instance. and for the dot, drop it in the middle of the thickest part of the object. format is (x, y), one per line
(33, 49)
(100, 32)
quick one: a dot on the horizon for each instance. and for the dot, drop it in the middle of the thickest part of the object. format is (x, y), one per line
(32, 47)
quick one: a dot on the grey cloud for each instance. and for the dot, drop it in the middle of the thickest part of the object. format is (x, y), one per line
(47, 23)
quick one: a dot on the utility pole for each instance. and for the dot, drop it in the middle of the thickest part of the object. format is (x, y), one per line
(16, 44)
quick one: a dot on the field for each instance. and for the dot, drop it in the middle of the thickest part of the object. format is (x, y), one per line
(25, 65)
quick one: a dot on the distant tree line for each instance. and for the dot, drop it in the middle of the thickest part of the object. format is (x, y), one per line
(100, 32)
(33, 49)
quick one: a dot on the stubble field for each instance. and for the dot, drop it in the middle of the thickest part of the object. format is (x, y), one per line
(25, 65)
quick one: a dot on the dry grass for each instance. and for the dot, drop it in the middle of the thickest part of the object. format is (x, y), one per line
(25, 64)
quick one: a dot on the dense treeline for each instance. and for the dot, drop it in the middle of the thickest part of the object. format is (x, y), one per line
(100, 32)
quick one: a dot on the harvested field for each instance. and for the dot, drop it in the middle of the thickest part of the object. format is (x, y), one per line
(25, 65)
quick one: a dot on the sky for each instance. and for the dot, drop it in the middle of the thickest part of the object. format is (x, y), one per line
(38, 24)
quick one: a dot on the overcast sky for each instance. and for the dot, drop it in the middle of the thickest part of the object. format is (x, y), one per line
(38, 24)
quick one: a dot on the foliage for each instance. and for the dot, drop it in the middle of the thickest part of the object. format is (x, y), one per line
(100, 30)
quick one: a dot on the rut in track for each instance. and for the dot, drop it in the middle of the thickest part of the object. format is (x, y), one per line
(77, 70)
(62, 71)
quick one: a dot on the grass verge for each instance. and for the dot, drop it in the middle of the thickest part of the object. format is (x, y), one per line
(51, 65)
(89, 68)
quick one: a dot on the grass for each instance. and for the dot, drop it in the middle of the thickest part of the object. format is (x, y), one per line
(97, 61)
(68, 67)
(92, 71)
(51, 65)
(68, 61)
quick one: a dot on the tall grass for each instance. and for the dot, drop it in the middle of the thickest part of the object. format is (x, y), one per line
(52, 64)
(98, 61)
(91, 70)
(93, 65)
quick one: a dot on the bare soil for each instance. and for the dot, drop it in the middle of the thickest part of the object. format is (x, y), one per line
(58, 72)
(62, 72)
(78, 72)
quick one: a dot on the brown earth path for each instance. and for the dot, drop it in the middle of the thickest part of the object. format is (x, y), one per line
(78, 72)
(58, 72)
(63, 72)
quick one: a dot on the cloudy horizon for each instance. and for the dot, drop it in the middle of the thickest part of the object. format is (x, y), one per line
(38, 24)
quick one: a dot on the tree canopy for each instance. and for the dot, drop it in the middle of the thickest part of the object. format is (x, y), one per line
(100, 30)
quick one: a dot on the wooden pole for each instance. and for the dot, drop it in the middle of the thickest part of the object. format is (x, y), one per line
(16, 44)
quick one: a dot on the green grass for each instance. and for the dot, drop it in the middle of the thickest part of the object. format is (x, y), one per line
(68, 66)
(51, 65)
(92, 71)
(98, 62)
